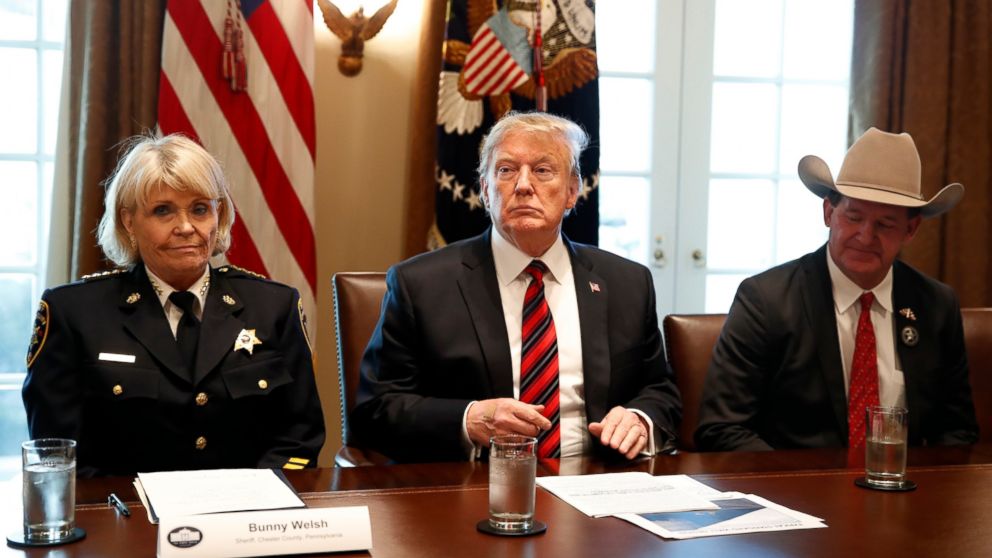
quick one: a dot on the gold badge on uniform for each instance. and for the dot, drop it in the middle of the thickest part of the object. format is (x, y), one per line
(133, 297)
(39, 333)
(908, 313)
(228, 300)
(246, 340)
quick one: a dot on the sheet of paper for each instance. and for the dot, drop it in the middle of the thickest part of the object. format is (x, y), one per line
(737, 514)
(613, 493)
(178, 493)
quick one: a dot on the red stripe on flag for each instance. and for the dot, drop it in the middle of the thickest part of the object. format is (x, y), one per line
(500, 60)
(201, 40)
(172, 116)
(286, 70)
(505, 81)
(481, 51)
(244, 251)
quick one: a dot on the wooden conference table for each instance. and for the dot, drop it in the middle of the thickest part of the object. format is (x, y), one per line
(431, 510)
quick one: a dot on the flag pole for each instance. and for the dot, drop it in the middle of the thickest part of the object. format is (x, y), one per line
(540, 88)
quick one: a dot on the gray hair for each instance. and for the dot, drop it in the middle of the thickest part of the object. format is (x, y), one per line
(570, 133)
(150, 162)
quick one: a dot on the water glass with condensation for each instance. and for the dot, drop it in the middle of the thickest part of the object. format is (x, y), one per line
(886, 439)
(512, 473)
(49, 470)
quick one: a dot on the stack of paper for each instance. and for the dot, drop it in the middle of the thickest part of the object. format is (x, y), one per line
(675, 506)
(182, 493)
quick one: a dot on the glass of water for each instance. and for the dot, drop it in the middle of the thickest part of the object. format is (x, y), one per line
(49, 469)
(512, 471)
(886, 438)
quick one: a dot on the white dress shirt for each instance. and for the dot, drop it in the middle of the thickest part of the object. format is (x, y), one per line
(172, 312)
(847, 306)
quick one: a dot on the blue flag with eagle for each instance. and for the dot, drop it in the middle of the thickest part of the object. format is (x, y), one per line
(490, 67)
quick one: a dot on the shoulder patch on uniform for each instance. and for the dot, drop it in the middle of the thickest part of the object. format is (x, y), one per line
(39, 333)
(103, 274)
(303, 323)
(230, 267)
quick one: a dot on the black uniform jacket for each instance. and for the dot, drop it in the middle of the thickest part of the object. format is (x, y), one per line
(776, 380)
(104, 369)
(441, 343)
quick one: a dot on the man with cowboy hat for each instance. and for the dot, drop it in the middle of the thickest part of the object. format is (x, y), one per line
(809, 344)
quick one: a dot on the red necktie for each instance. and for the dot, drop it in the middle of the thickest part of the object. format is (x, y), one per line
(539, 359)
(863, 391)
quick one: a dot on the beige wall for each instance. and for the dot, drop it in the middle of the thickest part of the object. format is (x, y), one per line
(363, 147)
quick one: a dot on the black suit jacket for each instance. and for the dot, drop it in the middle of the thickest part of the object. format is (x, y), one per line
(252, 410)
(441, 343)
(777, 381)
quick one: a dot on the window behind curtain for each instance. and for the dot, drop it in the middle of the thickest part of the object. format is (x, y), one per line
(32, 33)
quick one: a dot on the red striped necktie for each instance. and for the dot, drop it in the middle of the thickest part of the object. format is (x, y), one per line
(539, 360)
(863, 390)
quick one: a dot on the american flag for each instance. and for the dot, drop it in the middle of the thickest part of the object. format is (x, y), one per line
(498, 59)
(264, 136)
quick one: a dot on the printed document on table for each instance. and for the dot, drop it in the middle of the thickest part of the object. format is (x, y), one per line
(179, 493)
(613, 493)
(737, 514)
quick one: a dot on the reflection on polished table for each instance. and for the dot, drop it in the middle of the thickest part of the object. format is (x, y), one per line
(431, 509)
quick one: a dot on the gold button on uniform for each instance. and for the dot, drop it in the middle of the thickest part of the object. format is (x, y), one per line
(118, 389)
(201, 443)
(201, 399)
(262, 384)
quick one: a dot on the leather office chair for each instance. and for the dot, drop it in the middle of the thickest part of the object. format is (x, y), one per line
(357, 301)
(978, 340)
(689, 342)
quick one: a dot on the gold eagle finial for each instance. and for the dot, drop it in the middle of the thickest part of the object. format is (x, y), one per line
(353, 31)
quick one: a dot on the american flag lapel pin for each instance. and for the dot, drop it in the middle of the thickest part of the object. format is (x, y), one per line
(594, 287)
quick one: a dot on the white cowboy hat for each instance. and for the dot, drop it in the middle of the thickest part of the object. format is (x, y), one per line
(880, 167)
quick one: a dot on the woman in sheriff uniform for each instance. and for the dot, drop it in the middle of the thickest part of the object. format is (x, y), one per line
(168, 363)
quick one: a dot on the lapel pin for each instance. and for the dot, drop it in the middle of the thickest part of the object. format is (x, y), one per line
(133, 297)
(594, 287)
(910, 337)
(908, 313)
(228, 300)
(246, 340)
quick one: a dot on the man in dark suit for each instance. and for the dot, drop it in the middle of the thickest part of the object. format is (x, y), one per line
(798, 359)
(518, 331)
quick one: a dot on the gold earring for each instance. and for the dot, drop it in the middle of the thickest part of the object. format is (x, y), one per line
(134, 243)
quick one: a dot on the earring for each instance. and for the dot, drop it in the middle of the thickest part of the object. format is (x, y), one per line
(134, 243)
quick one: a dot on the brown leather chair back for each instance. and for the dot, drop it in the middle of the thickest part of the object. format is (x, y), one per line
(978, 340)
(357, 301)
(689, 342)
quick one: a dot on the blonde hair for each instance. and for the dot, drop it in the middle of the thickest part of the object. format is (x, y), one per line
(151, 162)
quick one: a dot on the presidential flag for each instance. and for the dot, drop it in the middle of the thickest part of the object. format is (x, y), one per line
(490, 67)
(238, 77)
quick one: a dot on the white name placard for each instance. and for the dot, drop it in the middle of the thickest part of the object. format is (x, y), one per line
(266, 533)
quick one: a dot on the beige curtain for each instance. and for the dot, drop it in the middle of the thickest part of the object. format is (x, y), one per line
(114, 55)
(924, 68)
(423, 134)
